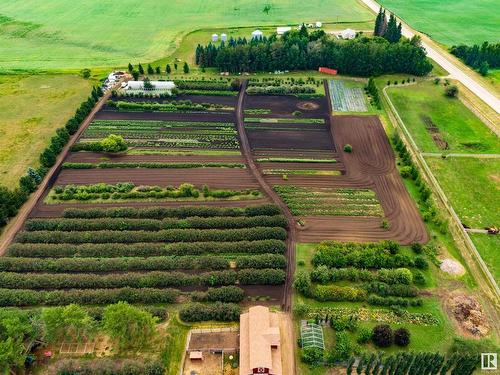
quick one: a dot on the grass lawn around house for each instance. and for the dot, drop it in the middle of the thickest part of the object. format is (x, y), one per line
(472, 185)
(489, 248)
(63, 34)
(450, 22)
(433, 119)
(32, 108)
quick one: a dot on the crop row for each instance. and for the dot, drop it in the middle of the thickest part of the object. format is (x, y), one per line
(168, 235)
(105, 165)
(169, 106)
(178, 212)
(65, 224)
(112, 250)
(324, 275)
(155, 279)
(295, 160)
(157, 125)
(162, 263)
(284, 120)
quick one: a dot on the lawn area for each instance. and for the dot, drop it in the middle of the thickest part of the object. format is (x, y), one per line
(433, 119)
(444, 20)
(472, 185)
(56, 35)
(488, 247)
(32, 108)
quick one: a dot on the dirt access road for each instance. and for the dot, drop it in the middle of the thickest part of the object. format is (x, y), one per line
(247, 153)
(440, 57)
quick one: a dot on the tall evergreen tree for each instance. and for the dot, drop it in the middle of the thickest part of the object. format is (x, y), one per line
(392, 34)
(383, 25)
(130, 67)
(141, 69)
(378, 23)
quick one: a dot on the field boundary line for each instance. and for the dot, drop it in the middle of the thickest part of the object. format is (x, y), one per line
(18, 221)
(454, 155)
(459, 229)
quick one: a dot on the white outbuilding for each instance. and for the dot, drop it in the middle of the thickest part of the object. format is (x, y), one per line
(257, 34)
(348, 34)
(283, 29)
(163, 86)
(223, 37)
(318, 24)
(215, 37)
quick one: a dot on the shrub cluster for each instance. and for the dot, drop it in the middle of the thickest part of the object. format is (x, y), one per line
(338, 293)
(178, 212)
(123, 224)
(231, 294)
(166, 235)
(24, 297)
(198, 312)
(268, 276)
(111, 250)
(393, 301)
(161, 263)
(322, 274)
(168, 106)
(384, 290)
(204, 85)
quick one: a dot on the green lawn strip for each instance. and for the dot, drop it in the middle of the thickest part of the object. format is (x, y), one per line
(32, 108)
(472, 186)
(456, 124)
(302, 172)
(295, 160)
(488, 246)
(143, 151)
(69, 165)
(266, 120)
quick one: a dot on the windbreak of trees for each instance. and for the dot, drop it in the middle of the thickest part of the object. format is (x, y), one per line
(479, 57)
(301, 50)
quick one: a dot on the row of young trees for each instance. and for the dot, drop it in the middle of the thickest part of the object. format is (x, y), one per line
(12, 200)
(157, 70)
(478, 57)
(301, 50)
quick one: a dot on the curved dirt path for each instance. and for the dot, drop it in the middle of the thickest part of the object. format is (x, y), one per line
(23, 213)
(247, 153)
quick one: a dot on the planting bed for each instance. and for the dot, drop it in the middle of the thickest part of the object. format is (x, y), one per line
(286, 105)
(346, 99)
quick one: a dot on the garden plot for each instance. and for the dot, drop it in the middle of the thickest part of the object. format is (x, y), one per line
(346, 99)
(280, 106)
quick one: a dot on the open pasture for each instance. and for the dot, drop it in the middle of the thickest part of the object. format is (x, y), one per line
(63, 34)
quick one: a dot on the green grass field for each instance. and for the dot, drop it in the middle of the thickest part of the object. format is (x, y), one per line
(32, 108)
(458, 126)
(450, 22)
(488, 246)
(65, 34)
(472, 185)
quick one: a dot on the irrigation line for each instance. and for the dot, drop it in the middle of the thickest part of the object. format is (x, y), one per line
(408, 139)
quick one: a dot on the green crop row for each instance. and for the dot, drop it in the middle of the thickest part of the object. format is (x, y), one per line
(295, 160)
(69, 165)
(112, 250)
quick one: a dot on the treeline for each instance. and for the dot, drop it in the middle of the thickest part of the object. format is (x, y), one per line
(481, 57)
(301, 50)
(391, 31)
(12, 200)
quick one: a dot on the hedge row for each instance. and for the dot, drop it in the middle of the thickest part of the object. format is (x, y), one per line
(324, 275)
(224, 294)
(178, 212)
(338, 293)
(122, 224)
(137, 264)
(23, 297)
(393, 301)
(198, 312)
(336, 255)
(69, 165)
(168, 235)
(263, 277)
(384, 290)
(111, 250)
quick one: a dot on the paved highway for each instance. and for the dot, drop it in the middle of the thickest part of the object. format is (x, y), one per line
(455, 71)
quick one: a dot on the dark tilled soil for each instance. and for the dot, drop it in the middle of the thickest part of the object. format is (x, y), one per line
(297, 140)
(166, 116)
(95, 157)
(285, 105)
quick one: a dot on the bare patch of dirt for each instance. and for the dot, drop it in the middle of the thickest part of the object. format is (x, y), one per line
(433, 130)
(469, 314)
(452, 267)
(307, 106)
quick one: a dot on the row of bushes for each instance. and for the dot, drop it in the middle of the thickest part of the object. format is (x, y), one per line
(169, 106)
(198, 312)
(281, 90)
(224, 294)
(69, 165)
(24, 297)
(409, 170)
(154, 224)
(162, 263)
(324, 275)
(155, 279)
(207, 85)
(12, 200)
(179, 212)
(393, 301)
(166, 235)
(384, 290)
(111, 250)
(338, 293)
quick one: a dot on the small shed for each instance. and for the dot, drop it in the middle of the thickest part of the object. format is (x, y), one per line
(257, 34)
(223, 37)
(196, 356)
(348, 34)
(318, 24)
(282, 29)
(215, 37)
